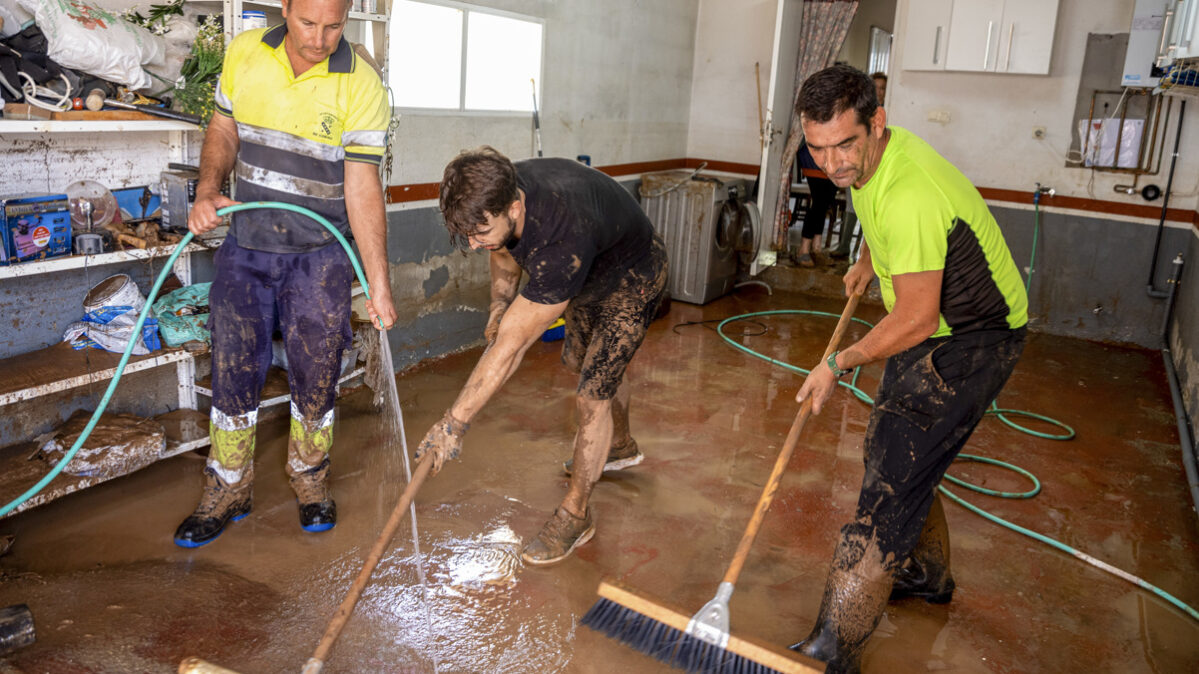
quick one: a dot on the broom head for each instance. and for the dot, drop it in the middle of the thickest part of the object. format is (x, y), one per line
(660, 631)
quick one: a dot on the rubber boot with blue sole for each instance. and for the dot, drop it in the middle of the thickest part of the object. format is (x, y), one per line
(221, 504)
(318, 511)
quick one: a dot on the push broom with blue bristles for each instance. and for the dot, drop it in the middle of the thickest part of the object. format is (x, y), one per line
(702, 642)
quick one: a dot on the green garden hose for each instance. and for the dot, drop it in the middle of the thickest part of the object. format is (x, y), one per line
(1000, 413)
(141, 319)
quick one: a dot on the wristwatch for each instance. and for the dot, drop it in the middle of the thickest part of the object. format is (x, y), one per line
(832, 365)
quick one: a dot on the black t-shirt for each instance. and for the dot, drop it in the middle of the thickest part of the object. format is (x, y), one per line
(583, 232)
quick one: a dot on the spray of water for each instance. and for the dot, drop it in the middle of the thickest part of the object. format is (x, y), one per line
(386, 396)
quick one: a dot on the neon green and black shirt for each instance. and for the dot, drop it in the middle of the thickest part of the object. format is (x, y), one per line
(295, 135)
(919, 213)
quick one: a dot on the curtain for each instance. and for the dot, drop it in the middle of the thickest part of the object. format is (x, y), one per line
(825, 25)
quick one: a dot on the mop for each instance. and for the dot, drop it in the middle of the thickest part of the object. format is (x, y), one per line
(702, 642)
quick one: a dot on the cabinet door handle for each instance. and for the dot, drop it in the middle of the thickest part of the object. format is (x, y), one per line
(1010, 31)
(987, 53)
(937, 45)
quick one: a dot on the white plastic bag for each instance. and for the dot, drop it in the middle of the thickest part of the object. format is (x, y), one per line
(99, 42)
(111, 309)
(13, 18)
(1101, 141)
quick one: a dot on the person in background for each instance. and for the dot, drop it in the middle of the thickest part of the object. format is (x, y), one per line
(880, 86)
(823, 194)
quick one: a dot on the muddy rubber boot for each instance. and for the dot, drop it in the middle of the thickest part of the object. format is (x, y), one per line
(926, 573)
(559, 537)
(318, 512)
(851, 608)
(221, 504)
(619, 458)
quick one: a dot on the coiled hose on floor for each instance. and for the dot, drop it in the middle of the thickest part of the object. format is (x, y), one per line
(1002, 414)
(141, 319)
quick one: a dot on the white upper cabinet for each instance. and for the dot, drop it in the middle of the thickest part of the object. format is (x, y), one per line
(974, 31)
(1026, 37)
(997, 36)
(927, 36)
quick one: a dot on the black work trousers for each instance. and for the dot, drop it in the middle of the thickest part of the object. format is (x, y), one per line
(930, 400)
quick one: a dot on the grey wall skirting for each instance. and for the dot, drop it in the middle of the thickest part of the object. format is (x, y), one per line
(1184, 333)
(1090, 274)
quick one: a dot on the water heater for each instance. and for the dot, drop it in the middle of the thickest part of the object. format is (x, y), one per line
(1146, 38)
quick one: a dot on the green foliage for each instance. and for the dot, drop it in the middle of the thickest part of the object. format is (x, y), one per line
(195, 90)
(159, 15)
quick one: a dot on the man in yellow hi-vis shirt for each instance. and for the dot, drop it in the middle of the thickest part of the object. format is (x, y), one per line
(300, 118)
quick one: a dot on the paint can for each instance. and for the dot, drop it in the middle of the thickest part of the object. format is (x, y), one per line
(253, 18)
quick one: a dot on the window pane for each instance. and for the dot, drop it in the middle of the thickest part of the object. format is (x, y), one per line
(425, 55)
(502, 55)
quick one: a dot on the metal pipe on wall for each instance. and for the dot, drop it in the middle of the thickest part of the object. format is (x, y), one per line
(1184, 430)
(1161, 225)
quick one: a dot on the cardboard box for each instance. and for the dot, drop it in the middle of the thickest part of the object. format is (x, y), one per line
(35, 227)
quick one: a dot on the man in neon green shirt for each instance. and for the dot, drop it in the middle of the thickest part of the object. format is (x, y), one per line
(953, 332)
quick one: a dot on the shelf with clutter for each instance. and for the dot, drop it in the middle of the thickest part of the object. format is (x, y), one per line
(1180, 78)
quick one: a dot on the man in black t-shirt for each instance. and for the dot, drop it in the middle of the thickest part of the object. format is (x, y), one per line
(592, 256)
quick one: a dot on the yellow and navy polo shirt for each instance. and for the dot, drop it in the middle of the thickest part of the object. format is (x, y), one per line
(295, 135)
(919, 213)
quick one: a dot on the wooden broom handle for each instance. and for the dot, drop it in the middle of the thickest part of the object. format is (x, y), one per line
(780, 464)
(342, 615)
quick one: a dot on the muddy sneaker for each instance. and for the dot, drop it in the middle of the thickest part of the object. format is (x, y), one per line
(221, 504)
(619, 458)
(318, 512)
(558, 538)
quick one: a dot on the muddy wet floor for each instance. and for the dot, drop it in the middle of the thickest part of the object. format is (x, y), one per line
(111, 593)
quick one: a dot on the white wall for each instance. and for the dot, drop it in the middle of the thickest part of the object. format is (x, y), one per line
(616, 86)
(730, 36)
(990, 132)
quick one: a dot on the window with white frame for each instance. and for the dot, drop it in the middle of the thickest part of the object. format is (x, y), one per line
(452, 56)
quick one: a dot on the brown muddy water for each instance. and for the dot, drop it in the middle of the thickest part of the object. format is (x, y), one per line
(111, 593)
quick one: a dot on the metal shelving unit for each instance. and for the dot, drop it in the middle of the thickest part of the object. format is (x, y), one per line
(366, 28)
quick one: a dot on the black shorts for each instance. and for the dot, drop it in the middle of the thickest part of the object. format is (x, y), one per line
(602, 335)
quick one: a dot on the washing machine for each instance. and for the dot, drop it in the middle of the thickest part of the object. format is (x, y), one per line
(700, 218)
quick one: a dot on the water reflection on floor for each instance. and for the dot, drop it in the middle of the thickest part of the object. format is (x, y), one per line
(110, 593)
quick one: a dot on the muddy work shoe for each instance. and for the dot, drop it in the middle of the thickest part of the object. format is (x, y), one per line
(619, 458)
(558, 538)
(318, 512)
(221, 504)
